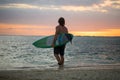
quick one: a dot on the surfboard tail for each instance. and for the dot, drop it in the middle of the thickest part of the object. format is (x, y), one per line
(70, 37)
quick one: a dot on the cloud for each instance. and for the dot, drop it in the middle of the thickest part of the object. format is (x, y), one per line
(28, 6)
(111, 3)
(99, 7)
(51, 2)
(22, 26)
(18, 6)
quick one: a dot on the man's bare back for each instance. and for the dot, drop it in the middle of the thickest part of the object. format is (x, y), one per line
(61, 29)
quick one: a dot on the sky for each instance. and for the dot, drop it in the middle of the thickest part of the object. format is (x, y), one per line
(40, 17)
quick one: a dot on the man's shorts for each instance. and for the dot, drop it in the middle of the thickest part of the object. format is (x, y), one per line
(59, 50)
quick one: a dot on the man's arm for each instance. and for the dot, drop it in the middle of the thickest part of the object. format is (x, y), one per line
(56, 35)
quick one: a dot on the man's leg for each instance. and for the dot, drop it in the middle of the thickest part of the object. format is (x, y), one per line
(57, 58)
(62, 60)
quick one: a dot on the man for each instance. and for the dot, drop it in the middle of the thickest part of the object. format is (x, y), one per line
(59, 51)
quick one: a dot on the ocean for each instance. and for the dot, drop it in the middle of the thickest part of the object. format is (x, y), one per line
(17, 52)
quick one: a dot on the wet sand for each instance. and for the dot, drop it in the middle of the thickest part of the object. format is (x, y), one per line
(61, 74)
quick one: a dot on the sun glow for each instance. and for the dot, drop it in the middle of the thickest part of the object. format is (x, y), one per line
(20, 29)
(109, 32)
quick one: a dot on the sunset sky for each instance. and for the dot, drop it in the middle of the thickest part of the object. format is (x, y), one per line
(39, 17)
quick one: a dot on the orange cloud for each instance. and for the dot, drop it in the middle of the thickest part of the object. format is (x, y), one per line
(20, 29)
(20, 26)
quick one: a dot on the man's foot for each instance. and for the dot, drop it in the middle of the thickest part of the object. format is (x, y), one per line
(60, 63)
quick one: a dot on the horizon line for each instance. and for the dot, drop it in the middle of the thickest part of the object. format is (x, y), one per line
(53, 34)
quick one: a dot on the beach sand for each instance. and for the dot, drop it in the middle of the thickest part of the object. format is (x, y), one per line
(61, 74)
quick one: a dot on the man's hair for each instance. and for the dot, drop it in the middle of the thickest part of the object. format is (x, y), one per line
(61, 21)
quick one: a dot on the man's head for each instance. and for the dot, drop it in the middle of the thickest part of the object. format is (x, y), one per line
(61, 21)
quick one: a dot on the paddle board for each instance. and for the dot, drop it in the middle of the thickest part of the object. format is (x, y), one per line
(46, 42)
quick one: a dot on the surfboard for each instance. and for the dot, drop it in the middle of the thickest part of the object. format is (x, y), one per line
(46, 42)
